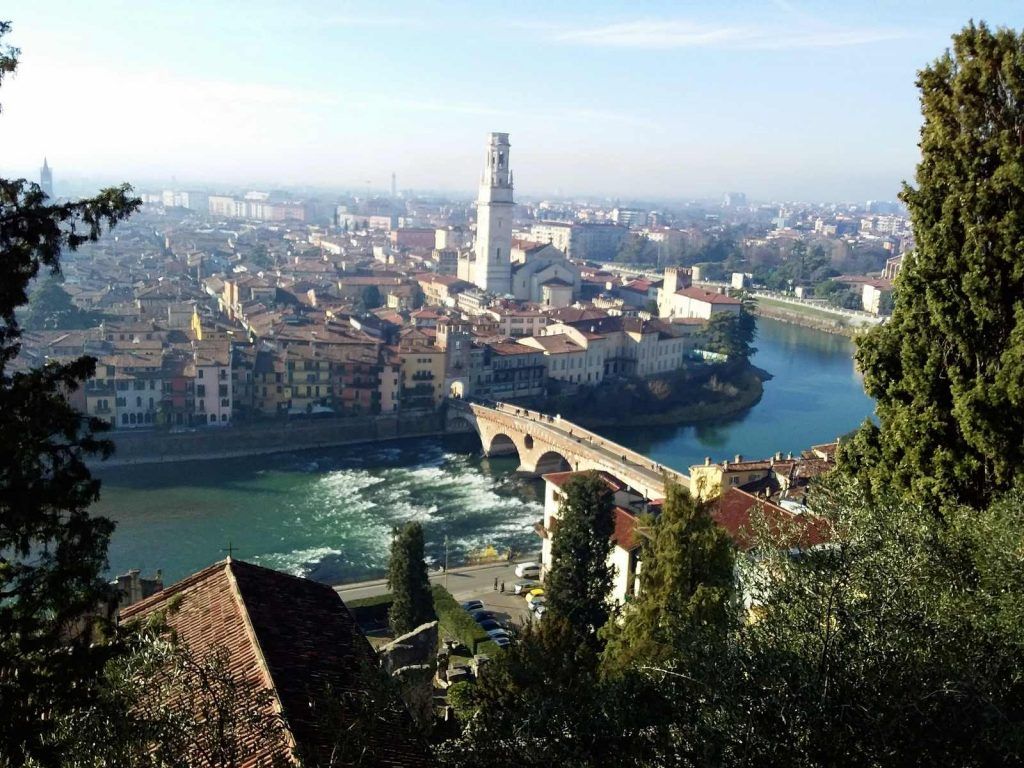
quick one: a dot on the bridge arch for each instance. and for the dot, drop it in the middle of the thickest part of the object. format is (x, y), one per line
(501, 445)
(549, 461)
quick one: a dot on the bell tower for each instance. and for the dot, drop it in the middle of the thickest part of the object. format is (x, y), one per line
(493, 268)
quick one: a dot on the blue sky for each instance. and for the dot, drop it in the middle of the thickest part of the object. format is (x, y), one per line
(783, 100)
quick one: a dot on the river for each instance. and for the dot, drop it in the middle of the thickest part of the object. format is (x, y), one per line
(328, 514)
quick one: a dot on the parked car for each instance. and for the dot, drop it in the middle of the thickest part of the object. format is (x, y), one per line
(533, 594)
(502, 642)
(522, 587)
(499, 633)
(472, 605)
(537, 602)
(528, 571)
(488, 624)
(481, 615)
(538, 608)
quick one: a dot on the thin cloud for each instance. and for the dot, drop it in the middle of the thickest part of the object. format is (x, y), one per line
(677, 34)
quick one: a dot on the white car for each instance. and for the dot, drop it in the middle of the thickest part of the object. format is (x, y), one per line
(528, 571)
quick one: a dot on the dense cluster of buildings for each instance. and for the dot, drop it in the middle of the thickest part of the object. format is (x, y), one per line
(207, 319)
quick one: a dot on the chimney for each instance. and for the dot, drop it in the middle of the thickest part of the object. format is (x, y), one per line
(738, 458)
(707, 461)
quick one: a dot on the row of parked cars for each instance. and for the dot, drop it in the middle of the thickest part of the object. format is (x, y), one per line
(488, 622)
(530, 588)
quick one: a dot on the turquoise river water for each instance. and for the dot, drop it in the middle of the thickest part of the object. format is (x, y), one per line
(328, 514)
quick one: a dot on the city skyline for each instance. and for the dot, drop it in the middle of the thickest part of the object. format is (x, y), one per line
(599, 100)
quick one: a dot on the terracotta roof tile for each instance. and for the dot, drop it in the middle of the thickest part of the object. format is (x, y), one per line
(292, 635)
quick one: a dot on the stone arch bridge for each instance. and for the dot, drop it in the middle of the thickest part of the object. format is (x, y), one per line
(551, 444)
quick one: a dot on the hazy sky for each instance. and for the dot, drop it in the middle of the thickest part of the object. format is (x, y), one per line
(785, 99)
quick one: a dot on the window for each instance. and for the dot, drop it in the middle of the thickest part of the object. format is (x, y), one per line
(138, 402)
(124, 418)
(200, 373)
(223, 417)
(734, 481)
(200, 390)
(213, 418)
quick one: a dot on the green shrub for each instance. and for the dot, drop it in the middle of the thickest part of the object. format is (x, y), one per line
(454, 621)
(371, 610)
(458, 624)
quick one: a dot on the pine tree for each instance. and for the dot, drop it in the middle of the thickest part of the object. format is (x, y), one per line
(52, 552)
(947, 372)
(686, 588)
(413, 603)
(580, 581)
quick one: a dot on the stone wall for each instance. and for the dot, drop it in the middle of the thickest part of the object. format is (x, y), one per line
(154, 446)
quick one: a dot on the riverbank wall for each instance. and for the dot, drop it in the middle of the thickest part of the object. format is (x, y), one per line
(835, 325)
(160, 446)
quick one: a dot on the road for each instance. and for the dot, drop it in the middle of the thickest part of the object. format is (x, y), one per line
(471, 582)
(465, 583)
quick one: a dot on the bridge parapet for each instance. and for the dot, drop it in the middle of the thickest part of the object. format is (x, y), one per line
(539, 437)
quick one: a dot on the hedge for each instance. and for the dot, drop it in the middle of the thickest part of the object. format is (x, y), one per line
(371, 610)
(454, 621)
(458, 624)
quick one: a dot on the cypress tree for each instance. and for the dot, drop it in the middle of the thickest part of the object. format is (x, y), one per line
(947, 372)
(686, 588)
(580, 580)
(52, 552)
(413, 603)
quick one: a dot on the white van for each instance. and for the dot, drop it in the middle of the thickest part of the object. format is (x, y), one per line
(528, 571)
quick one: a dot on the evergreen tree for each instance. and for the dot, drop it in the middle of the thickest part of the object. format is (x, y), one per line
(52, 552)
(413, 603)
(50, 307)
(947, 371)
(733, 334)
(370, 298)
(900, 644)
(686, 596)
(580, 580)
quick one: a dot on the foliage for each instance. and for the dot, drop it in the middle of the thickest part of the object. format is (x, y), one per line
(458, 624)
(733, 334)
(947, 372)
(580, 580)
(52, 553)
(898, 645)
(166, 705)
(543, 702)
(50, 307)
(838, 294)
(686, 596)
(370, 298)
(407, 579)
(635, 249)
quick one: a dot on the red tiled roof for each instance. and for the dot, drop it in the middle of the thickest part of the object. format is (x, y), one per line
(735, 509)
(711, 298)
(561, 478)
(625, 529)
(293, 636)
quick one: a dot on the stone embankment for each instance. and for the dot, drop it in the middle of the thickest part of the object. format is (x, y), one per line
(253, 439)
(837, 325)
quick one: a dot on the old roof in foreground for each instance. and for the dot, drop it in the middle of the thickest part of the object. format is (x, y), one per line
(295, 637)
